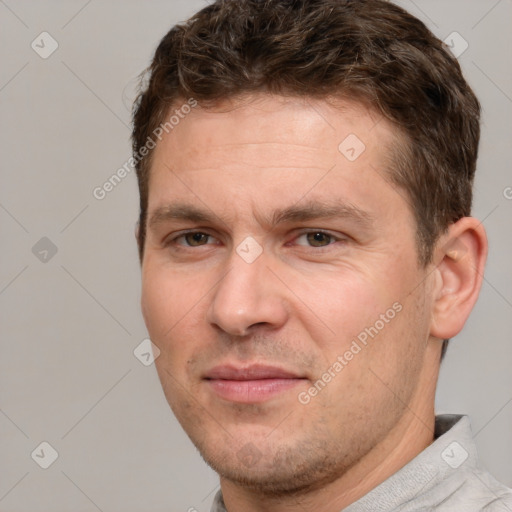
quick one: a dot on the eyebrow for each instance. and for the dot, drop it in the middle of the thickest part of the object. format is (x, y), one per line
(306, 211)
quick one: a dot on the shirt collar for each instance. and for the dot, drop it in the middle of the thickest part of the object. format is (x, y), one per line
(453, 446)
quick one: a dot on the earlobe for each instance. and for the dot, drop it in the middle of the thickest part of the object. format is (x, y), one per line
(460, 255)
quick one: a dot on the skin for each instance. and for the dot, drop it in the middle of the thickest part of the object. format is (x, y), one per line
(302, 302)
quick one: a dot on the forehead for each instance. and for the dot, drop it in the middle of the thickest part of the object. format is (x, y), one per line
(269, 150)
(252, 127)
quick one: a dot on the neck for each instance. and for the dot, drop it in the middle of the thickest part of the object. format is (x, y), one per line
(413, 432)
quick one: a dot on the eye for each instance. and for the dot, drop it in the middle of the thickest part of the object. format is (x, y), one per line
(316, 239)
(191, 239)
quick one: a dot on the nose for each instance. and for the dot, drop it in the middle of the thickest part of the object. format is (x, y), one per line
(249, 295)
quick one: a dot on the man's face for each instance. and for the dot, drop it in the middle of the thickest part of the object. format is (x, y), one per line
(281, 283)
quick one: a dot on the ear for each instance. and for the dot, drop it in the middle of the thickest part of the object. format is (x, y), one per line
(460, 255)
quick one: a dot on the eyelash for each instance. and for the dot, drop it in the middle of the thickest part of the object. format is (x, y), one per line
(334, 238)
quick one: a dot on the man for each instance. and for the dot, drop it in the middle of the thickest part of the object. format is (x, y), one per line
(305, 172)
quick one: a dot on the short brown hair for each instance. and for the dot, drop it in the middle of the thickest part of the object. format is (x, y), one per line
(370, 50)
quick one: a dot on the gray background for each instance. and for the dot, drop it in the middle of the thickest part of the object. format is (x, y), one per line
(70, 323)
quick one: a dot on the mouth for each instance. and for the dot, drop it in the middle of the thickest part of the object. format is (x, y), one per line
(251, 384)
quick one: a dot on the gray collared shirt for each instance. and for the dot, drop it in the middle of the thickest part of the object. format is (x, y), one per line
(445, 477)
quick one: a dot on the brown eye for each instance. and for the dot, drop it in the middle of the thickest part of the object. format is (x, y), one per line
(318, 239)
(196, 239)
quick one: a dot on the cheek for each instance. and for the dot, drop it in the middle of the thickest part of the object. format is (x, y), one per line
(168, 308)
(345, 303)
(168, 303)
(157, 303)
(369, 318)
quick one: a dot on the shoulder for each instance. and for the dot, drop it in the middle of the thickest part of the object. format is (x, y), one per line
(475, 490)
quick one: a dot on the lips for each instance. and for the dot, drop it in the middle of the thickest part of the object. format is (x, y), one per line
(250, 384)
(254, 372)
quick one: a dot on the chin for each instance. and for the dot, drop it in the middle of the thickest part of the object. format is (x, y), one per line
(285, 473)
